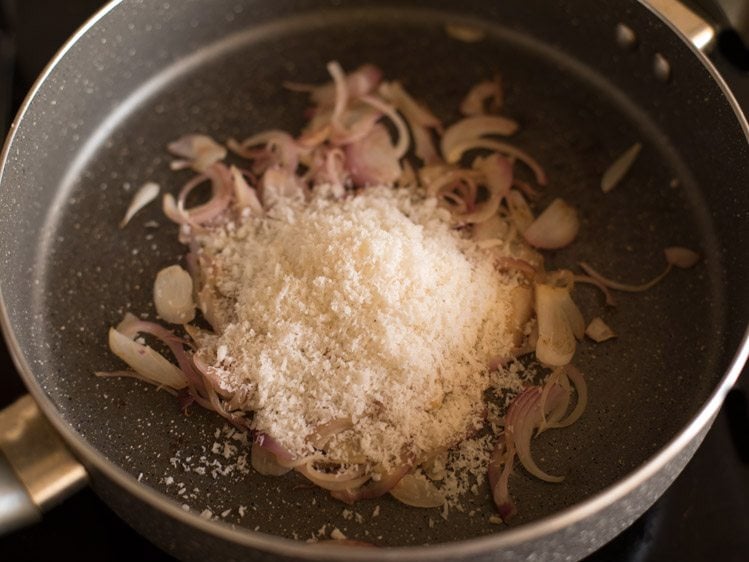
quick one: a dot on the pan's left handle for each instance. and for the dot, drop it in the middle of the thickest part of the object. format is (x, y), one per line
(36, 468)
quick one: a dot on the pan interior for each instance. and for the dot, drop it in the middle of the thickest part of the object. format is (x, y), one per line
(644, 386)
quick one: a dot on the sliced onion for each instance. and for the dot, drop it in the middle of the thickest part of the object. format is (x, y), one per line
(472, 128)
(146, 361)
(614, 174)
(554, 228)
(323, 433)
(281, 184)
(497, 173)
(475, 102)
(599, 331)
(201, 151)
(416, 113)
(500, 467)
(373, 160)
(465, 33)
(265, 462)
(147, 193)
(556, 339)
(172, 295)
(581, 389)
(521, 310)
(244, 196)
(267, 442)
(374, 489)
(363, 80)
(520, 213)
(625, 287)
(404, 140)
(683, 258)
(523, 417)
(417, 491)
(507, 149)
(352, 477)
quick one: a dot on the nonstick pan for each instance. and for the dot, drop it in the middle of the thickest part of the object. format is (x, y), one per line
(585, 79)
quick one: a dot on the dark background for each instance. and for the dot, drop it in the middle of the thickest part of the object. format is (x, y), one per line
(703, 516)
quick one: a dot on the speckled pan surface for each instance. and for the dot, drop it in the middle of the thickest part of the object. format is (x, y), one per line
(149, 72)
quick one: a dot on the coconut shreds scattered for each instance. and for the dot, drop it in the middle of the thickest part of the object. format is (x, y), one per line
(364, 310)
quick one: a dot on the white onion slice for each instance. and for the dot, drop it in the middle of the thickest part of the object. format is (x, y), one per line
(683, 258)
(265, 462)
(172, 295)
(554, 228)
(599, 331)
(147, 193)
(146, 362)
(614, 174)
(417, 491)
(472, 128)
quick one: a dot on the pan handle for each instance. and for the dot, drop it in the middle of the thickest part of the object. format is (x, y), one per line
(36, 468)
(689, 23)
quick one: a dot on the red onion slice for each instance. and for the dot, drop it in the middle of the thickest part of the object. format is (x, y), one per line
(683, 258)
(625, 287)
(200, 150)
(351, 477)
(373, 160)
(507, 149)
(145, 361)
(497, 172)
(404, 140)
(473, 128)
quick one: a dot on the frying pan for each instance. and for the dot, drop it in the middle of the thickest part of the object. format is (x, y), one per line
(586, 80)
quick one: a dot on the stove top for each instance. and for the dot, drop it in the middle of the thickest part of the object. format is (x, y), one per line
(704, 515)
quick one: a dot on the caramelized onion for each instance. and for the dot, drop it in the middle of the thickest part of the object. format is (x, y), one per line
(475, 102)
(599, 331)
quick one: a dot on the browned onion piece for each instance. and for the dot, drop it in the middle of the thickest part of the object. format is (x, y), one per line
(614, 174)
(683, 258)
(556, 227)
(581, 388)
(465, 33)
(373, 160)
(363, 80)
(599, 331)
(507, 149)
(271, 445)
(417, 492)
(472, 128)
(475, 102)
(265, 462)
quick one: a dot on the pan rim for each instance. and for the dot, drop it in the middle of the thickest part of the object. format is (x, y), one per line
(282, 546)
